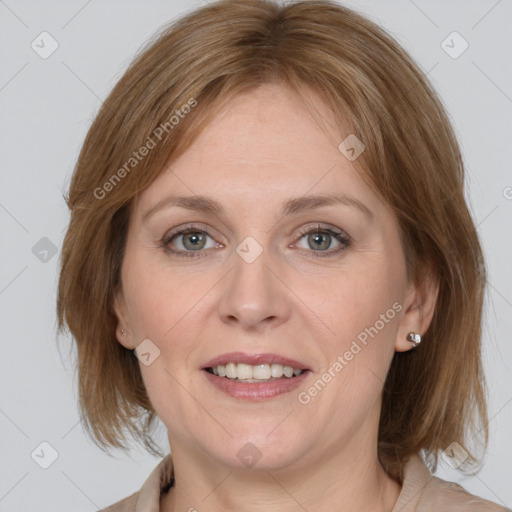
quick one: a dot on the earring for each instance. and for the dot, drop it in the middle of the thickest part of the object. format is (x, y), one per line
(414, 338)
(123, 332)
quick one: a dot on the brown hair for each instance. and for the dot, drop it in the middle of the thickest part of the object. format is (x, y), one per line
(434, 395)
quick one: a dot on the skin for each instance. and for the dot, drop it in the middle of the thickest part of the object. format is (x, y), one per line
(263, 149)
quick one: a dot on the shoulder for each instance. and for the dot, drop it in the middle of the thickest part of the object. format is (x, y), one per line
(423, 492)
(449, 496)
(148, 497)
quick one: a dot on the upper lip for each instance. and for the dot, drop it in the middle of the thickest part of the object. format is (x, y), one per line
(254, 359)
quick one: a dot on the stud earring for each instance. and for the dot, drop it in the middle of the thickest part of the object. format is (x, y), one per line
(123, 332)
(414, 338)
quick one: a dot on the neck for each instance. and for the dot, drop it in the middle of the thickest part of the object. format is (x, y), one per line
(347, 479)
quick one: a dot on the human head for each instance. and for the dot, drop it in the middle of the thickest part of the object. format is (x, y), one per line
(411, 162)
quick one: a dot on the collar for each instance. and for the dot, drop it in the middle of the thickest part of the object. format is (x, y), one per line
(418, 484)
(416, 479)
(160, 479)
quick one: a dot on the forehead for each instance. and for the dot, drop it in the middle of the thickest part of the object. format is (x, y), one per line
(267, 144)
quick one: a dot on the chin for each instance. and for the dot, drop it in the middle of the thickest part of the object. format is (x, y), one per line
(264, 452)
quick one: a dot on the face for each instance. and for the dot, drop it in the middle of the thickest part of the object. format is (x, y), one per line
(257, 266)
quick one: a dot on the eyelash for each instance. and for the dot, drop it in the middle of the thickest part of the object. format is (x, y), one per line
(342, 237)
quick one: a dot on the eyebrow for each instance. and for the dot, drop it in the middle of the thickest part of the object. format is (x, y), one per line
(292, 206)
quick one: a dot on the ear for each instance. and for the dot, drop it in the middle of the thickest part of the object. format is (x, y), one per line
(123, 331)
(419, 306)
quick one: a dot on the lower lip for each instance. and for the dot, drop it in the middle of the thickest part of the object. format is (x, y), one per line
(256, 390)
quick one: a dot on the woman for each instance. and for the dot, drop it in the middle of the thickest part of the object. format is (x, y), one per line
(269, 250)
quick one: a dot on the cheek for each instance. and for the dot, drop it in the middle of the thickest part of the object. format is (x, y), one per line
(361, 306)
(161, 300)
(355, 297)
(170, 394)
(357, 356)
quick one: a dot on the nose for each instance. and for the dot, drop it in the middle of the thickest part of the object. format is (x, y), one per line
(254, 296)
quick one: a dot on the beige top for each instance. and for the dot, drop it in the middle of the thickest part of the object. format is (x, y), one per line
(421, 492)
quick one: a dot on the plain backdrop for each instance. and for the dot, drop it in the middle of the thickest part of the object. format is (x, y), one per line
(47, 105)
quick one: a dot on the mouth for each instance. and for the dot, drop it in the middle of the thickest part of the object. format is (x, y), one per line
(256, 376)
(254, 367)
(251, 374)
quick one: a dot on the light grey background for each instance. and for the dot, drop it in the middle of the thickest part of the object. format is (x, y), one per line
(47, 106)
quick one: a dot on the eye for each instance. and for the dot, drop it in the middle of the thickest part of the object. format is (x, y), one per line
(187, 241)
(192, 241)
(320, 240)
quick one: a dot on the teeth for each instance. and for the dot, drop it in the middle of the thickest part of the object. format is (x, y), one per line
(243, 371)
(260, 372)
(231, 371)
(288, 371)
(277, 370)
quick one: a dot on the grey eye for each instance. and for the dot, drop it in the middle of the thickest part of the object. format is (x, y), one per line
(319, 240)
(192, 241)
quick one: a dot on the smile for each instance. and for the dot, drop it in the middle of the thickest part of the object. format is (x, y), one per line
(254, 373)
